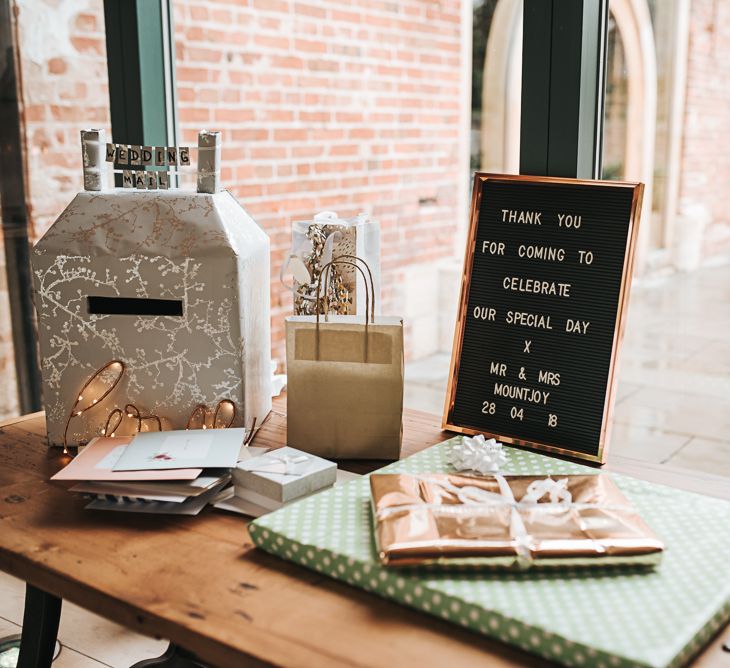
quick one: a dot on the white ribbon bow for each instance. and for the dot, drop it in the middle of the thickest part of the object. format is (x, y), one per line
(556, 491)
(477, 454)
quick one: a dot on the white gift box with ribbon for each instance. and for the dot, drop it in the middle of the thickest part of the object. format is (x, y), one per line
(285, 474)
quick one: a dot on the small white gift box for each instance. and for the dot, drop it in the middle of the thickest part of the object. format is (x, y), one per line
(284, 475)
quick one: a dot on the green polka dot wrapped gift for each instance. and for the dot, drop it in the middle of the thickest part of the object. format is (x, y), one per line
(623, 616)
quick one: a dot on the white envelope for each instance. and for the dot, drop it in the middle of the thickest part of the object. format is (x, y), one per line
(203, 448)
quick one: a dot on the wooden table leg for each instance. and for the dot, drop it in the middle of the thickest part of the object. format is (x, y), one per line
(40, 628)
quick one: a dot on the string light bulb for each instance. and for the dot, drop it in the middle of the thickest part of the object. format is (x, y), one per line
(223, 416)
(134, 412)
(107, 377)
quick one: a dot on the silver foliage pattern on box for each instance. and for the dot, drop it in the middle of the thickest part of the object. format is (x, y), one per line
(201, 249)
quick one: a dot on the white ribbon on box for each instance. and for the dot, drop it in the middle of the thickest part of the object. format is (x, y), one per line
(282, 464)
(556, 490)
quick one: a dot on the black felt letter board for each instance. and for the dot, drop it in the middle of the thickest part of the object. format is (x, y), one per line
(545, 287)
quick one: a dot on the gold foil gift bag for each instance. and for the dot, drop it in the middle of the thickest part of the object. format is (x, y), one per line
(345, 379)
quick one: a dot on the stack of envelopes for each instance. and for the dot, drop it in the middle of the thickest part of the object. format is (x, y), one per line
(170, 472)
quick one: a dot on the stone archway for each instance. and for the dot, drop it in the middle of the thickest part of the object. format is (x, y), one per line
(634, 26)
(500, 131)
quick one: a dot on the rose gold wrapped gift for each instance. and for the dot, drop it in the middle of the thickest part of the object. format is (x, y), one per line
(508, 521)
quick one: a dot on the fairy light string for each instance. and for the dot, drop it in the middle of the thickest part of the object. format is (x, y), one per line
(108, 378)
(113, 370)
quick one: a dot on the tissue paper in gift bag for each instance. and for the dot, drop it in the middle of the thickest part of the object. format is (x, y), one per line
(345, 385)
(315, 242)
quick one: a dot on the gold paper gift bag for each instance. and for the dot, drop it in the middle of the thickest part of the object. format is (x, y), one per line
(345, 382)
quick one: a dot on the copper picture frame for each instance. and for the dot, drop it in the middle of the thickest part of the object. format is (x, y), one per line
(448, 422)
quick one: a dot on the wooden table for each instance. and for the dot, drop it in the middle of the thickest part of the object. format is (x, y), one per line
(199, 582)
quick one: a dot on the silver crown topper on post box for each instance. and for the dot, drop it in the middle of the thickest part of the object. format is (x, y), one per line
(170, 283)
(93, 145)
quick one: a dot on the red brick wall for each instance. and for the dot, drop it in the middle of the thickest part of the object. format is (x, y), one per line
(327, 104)
(64, 82)
(352, 105)
(324, 104)
(706, 144)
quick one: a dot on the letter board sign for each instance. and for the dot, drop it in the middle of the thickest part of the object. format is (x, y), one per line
(543, 303)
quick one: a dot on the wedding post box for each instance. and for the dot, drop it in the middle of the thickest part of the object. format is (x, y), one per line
(174, 284)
